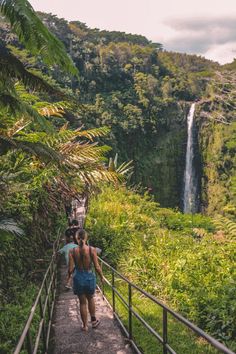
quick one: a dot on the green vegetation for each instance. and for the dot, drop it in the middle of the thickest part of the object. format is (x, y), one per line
(13, 318)
(184, 261)
(217, 146)
(51, 119)
(43, 163)
(185, 342)
(141, 92)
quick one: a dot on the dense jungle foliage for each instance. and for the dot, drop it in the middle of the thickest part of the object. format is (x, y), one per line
(53, 111)
(143, 93)
(43, 164)
(188, 262)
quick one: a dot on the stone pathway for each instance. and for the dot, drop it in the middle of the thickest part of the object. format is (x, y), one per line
(68, 337)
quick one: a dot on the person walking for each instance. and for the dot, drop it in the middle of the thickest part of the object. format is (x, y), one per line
(72, 229)
(65, 251)
(81, 260)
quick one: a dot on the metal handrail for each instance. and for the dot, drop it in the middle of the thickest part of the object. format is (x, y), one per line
(45, 302)
(131, 312)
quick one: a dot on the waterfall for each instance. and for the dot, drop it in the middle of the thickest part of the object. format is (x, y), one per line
(190, 188)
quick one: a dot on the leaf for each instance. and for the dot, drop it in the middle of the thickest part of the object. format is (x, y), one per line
(12, 67)
(34, 35)
(10, 226)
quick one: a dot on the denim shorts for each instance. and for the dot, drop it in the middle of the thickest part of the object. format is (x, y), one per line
(84, 282)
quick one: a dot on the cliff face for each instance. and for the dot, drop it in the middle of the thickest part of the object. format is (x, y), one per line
(218, 153)
(159, 158)
(217, 145)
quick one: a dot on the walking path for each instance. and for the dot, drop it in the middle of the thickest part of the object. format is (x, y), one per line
(68, 337)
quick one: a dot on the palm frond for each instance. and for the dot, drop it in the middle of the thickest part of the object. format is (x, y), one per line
(38, 149)
(92, 133)
(10, 226)
(18, 126)
(223, 223)
(17, 106)
(12, 67)
(91, 150)
(93, 177)
(199, 232)
(67, 139)
(126, 168)
(51, 109)
(34, 35)
(42, 151)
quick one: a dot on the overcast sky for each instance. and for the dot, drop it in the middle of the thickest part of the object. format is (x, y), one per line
(205, 27)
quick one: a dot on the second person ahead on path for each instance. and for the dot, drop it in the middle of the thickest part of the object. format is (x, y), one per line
(65, 251)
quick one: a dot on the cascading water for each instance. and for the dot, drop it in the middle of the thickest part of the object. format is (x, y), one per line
(190, 188)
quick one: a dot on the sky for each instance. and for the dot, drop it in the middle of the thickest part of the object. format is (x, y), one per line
(203, 27)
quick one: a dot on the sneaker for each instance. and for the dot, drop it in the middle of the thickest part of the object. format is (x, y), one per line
(95, 323)
(68, 287)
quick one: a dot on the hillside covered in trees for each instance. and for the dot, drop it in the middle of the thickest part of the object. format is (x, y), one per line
(61, 120)
(143, 93)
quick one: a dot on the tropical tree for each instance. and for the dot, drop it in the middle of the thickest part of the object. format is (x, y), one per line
(36, 156)
(34, 35)
(37, 39)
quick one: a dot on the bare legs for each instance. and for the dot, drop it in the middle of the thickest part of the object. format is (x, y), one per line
(91, 305)
(68, 281)
(83, 309)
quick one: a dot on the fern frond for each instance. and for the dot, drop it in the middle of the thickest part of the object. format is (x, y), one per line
(38, 149)
(10, 226)
(42, 151)
(51, 109)
(12, 67)
(222, 223)
(126, 168)
(17, 106)
(64, 128)
(97, 175)
(18, 126)
(34, 35)
(92, 133)
(199, 232)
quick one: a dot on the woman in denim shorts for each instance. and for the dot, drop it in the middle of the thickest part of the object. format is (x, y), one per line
(84, 280)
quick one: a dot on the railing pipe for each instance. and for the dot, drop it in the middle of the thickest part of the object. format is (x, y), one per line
(26, 336)
(164, 329)
(29, 343)
(166, 347)
(113, 292)
(43, 326)
(130, 311)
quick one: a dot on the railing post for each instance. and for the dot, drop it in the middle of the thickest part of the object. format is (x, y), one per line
(113, 292)
(43, 327)
(55, 279)
(46, 286)
(47, 295)
(130, 311)
(164, 323)
(103, 288)
(29, 343)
